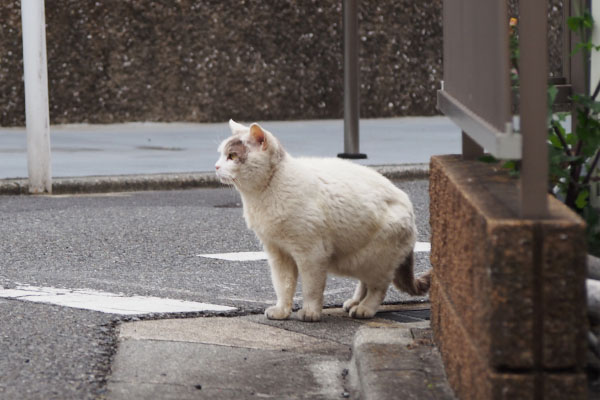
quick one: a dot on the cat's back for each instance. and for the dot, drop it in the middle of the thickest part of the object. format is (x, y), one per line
(339, 173)
(336, 177)
(357, 201)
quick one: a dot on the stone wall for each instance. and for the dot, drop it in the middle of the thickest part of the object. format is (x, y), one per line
(508, 295)
(211, 60)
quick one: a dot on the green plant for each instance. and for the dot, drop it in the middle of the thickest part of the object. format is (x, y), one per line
(574, 155)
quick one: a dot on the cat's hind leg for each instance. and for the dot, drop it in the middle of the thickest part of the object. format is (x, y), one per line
(284, 274)
(359, 293)
(368, 306)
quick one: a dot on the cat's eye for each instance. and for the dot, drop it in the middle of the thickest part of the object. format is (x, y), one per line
(232, 156)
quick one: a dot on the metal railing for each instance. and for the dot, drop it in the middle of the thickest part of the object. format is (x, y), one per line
(476, 92)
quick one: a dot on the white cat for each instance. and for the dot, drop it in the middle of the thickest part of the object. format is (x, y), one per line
(319, 215)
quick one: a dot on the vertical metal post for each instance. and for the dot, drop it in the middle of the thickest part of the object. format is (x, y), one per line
(533, 76)
(577, 63)
(595, 55)
(351, 81)
(566, 37)
(36, 96)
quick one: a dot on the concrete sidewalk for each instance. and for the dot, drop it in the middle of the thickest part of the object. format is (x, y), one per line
(163, 148)
(389, 357)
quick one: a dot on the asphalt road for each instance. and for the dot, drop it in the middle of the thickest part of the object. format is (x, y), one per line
(143, 243)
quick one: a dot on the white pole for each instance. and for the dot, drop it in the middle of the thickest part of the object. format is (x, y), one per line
(36, 96)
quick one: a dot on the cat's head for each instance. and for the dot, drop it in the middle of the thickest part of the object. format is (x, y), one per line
(249, 157)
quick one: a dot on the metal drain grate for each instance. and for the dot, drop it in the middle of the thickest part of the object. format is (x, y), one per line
(406, 315)
(229, 205)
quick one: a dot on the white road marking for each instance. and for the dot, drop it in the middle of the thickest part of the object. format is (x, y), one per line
(261, 255)
(105, 302)
(241, 256)
(422, 247)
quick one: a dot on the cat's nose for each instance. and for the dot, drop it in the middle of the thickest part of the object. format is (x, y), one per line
(217, 166)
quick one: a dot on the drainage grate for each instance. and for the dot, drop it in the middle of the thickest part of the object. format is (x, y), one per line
(406, 315)
(229, 205)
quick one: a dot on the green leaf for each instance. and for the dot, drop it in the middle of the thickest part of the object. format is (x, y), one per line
(552, 92)
(574, 23)
(571, 139)
(582, 199)
(562, 116)
(587, 20)
(488, 158)
(510, 164)
(555, 141)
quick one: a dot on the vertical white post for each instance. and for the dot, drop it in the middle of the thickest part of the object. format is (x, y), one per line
(36, 96)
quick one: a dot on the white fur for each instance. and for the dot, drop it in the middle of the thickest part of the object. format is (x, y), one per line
(319, 215)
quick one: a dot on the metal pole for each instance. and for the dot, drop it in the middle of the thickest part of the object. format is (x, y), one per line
(533, 75)
(351, 86)
(36, 96)
(595, 55)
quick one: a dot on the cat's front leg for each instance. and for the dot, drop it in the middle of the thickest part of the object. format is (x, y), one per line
(284, 275)
(314, 277)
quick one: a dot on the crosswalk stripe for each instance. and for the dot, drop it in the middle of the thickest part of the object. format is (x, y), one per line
(105, 302)
(261, 255)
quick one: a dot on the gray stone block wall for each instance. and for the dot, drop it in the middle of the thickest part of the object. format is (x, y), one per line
(211, 60)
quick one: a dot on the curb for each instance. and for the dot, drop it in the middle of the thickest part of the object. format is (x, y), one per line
(398, 362)
(171, 181)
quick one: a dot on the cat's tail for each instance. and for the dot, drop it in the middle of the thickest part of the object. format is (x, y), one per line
(404, 278)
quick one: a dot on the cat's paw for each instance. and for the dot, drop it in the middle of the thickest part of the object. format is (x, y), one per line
(348, 304)
(308, 315)
(277, 313)
(362, 312)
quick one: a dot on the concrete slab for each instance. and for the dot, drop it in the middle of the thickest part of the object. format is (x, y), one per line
(232, 332)
(239, 357)
(179, 370)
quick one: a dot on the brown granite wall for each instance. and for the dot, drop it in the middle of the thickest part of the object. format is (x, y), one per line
(508, 295)
(211, 60)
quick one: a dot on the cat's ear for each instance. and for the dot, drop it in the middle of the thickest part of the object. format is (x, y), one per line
(236, 128)
(258, 136)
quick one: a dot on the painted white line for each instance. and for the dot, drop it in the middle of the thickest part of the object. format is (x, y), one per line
(241, 256)
(261, 255)
(106, 302)
(424, 247)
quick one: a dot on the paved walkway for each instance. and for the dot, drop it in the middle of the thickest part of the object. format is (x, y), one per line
(151, 148)
(249, 357)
